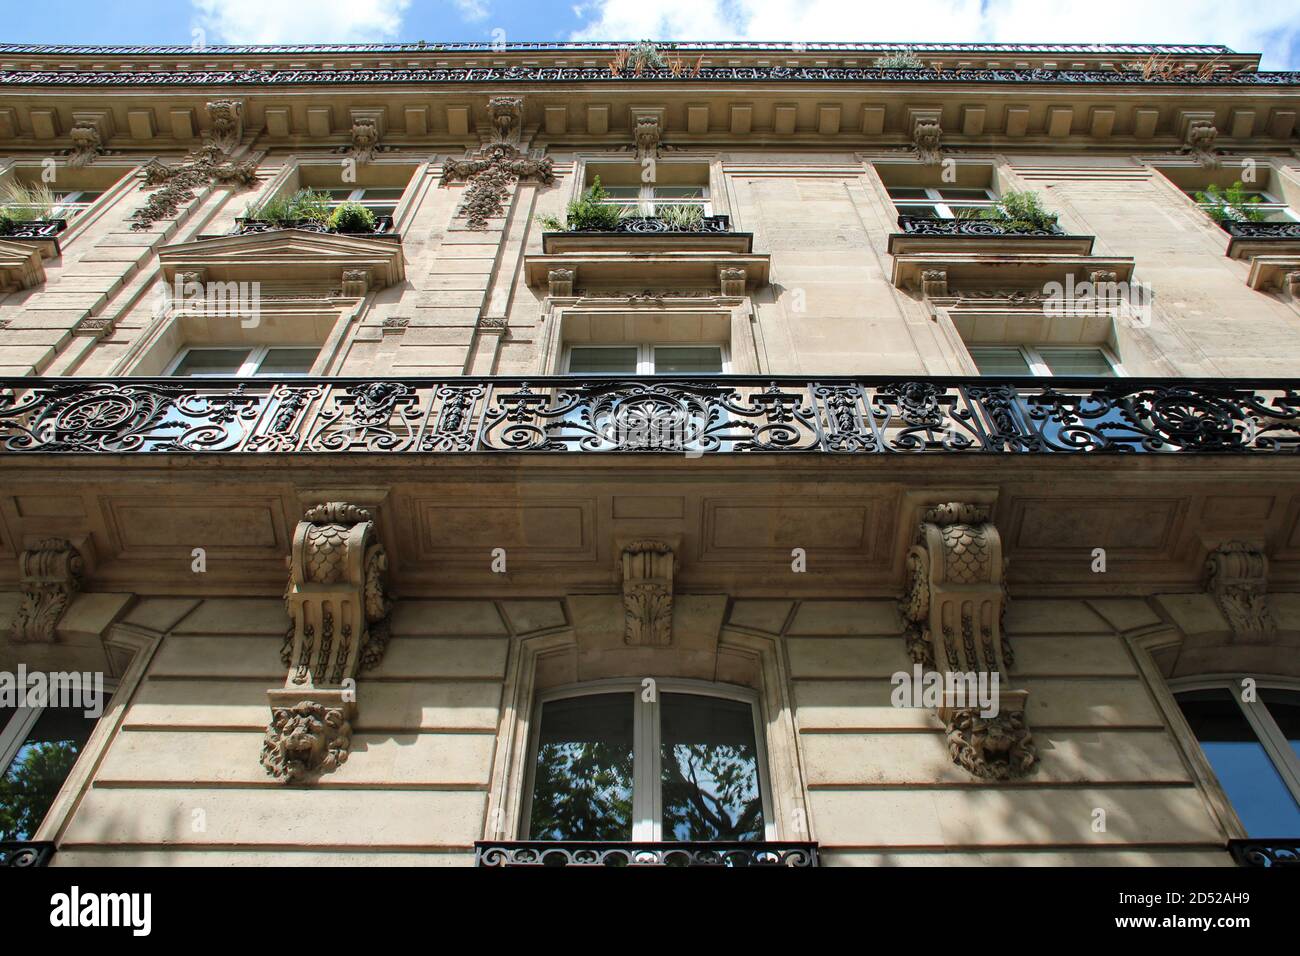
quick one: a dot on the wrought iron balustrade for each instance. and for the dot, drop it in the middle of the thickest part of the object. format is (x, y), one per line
(244, 227)
(929, 226)
(1265, 852)
(695, 416)
(656, 224)
(584, 853)
(32, 229)
(1262, 230)
(25, 853)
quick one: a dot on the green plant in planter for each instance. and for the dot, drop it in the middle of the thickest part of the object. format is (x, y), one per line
(20, 203)
(900, 60)
(682, 217)
(1015, 212)
(587, 213)
(1231, 204)
(304, 204)
(352, 217)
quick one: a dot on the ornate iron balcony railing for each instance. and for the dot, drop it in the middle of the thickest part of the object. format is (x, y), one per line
(583, 853)
(655, 224)
(928, 226)
(25, 853)
(1265, 852)
(245, 227)
(1262, 230)
(32, 229)
(707, 415)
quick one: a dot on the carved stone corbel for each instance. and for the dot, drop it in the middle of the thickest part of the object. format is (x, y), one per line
(934, 283)
(648, 593)
(1237, 578)
(560, 282)
(86, 145)
(1199, 141)
(339, 615)
(732, 280)
(48, 575)
(227, 118)
(507, 114)
(925, 140)
(1291, 283)
(953, 611)
(649, 134)
(355, 282)
(365, 139)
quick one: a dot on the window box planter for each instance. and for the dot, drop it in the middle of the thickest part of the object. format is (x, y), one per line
(650, 233)
(42, 231)
(1250, 239)
(246, 227)
(923, 235)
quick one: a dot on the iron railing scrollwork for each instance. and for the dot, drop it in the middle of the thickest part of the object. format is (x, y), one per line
(246, 227)
(655, 224)
(1265, 853)
(929, 226)
(1262, 230)
(529, 853)
(22, 853)
(32, 229)
(707, 415)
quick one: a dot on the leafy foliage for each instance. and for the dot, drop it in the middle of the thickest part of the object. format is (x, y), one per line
(1016, 212)
(352, 217)
(903, 59)
(1230, 205)
(683, 217)
(30, 785)
(587, 213)
(20, 202)
(304, 204)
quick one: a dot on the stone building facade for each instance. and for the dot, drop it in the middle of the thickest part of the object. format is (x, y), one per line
(512, 515)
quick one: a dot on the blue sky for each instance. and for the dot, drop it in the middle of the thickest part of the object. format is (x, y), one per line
(1271, 27)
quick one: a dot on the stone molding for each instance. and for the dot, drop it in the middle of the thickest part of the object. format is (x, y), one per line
(48, 575)
(339, 613)
(648, 592)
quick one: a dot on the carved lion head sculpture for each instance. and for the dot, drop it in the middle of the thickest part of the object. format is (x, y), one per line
(305, 740)
(996, 748)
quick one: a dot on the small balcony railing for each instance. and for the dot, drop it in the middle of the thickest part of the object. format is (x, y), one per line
(244, 227)
(1262, 230)
(656, 225)
(707, 415)
(25, 853)
(975, 228)
(581, 853)
(1265, 853)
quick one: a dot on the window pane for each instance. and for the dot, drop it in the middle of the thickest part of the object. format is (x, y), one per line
(583, 359)
(679, 192)
(288, 361)
(1284, 707)
(1245, 772)
(907, 192)
(1076, 362)
(950, 193)
(689, 359)
(1000, 361)
(582, 780)
(920, 210)
(33, 778)
(212, 362)
(709, 769)
(622, 192)
(384, 193)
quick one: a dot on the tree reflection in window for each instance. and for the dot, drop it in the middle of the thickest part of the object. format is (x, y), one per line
(709, 770)
(582, 780)
(37, 771)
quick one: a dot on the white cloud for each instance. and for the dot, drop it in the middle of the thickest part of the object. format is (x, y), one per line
(1245, 25)
(299, 21)
(472, 9)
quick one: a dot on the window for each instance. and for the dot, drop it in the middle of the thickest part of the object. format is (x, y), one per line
(646, 360)
(1269, 208)
(1254, 748)
(244, 362)
(380, 201)
(38, 746)
(69, 205)
(610, 766)
(946, 202)
(648, 200)
(1043, 360)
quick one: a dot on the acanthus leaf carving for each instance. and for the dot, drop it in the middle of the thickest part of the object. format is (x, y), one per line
(48, 574)
(227, 118)
(925, 141)
(1237, 577)
(490, 174)
(86, 144)
(648, 592)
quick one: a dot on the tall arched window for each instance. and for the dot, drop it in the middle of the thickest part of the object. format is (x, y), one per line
(1253, 746)
(612, 762)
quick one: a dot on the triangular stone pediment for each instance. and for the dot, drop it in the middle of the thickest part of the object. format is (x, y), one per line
(20, 266)
(283, 254)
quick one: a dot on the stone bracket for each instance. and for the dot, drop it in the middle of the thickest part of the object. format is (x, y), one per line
(648, 567)
(48, 575)
(1237, 579)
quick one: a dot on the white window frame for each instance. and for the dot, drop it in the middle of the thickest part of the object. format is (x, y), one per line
(254, 359)
(647, 796)
(1276, 746)
(646, 204)
(940, 205)
(1038, 365)
(14, 733)
(72, 205)
(645, 356)
(358, 196)
(1269, 203)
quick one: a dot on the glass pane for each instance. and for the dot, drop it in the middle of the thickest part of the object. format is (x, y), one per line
(1076, 361)
(950, 193)
(709, 769)
(1247, 776)
(212, 362)
(1000, 361)
(1284, 707)
(288, 361)
(920, 210)
(907, 192)
(33, 778)
(384, 193)
(583, 359)
(622, 192)
(679, 192)
(337, 194)
(582, 780)
(689, 359)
